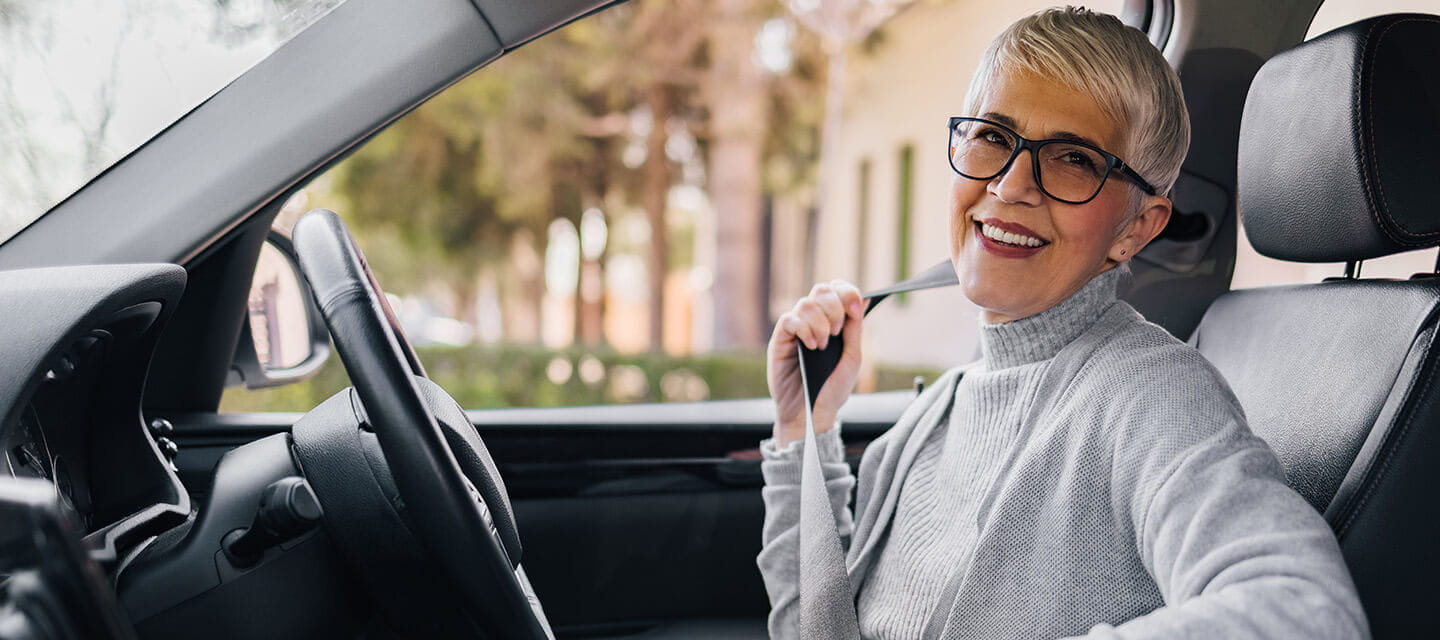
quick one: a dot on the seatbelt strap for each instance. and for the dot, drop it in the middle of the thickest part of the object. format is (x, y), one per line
(827, 599)
(826, 602)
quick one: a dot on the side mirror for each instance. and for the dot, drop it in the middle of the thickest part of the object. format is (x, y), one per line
(284, 338)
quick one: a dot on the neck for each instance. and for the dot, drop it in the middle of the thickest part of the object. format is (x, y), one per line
(992, 316)
(1040, 336)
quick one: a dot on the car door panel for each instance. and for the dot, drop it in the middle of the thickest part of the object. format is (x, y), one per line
(634, 518)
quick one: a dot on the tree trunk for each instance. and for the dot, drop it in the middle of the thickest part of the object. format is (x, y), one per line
(655, 188)
(589, 298)
(467, 297)
(525, 292)
(736, 94)
(590, 301)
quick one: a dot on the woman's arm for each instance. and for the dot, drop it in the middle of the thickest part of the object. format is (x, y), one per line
(1235, 552)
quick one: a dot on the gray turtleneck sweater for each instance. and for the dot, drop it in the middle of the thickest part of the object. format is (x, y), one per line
(1090, 474)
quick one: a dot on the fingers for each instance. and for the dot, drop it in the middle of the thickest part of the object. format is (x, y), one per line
(850, 298)
(830, 308)
(791, 326)
(827, 297)
(821, 327)
(782, 340)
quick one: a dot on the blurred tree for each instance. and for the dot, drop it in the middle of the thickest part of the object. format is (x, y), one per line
(656, 59)
(468, 183)
(735, 92)
(463, 189)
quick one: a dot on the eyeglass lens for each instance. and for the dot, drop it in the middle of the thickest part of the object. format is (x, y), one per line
(980, 150)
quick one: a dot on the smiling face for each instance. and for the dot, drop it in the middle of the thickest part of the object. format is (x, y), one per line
(1017, 251)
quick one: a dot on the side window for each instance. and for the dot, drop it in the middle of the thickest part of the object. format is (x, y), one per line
(1253, 269)
(862, 223)
(618, 211)
(905, 192)
(1338, 13)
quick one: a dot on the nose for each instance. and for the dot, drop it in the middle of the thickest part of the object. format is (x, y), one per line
(1017, 184)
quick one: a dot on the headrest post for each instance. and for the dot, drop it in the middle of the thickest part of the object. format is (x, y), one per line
(1352, 270)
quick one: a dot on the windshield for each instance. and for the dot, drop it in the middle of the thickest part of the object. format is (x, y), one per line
(85, 82)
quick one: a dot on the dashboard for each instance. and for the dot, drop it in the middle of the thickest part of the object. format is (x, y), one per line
(28, 455)
(48, 440)
(76, 347)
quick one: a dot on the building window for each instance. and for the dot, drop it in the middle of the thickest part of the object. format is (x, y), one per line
(862, 224)
(902, 231)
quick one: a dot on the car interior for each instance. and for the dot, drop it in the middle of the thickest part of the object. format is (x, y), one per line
(134, 508)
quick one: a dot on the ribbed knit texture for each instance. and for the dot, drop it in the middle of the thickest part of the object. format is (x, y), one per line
(935, 521)
(1091, 476)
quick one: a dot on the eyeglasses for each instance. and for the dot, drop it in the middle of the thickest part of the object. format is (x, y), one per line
(1067, 170)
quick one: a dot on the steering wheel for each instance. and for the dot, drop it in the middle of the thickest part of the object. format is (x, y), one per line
(432, 485)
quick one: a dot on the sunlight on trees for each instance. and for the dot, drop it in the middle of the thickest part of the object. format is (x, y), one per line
(642, 142)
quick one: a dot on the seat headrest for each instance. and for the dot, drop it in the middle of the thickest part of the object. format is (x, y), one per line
(1340, 144)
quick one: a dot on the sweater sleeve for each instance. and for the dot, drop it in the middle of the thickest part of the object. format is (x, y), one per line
(779, 558)
(1234, 551)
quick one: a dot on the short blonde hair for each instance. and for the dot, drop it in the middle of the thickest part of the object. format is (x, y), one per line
(1116, 64)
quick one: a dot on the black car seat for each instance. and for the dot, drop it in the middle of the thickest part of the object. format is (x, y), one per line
(1340, 162)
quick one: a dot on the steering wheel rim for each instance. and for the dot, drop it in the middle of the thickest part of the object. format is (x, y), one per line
(445, 512)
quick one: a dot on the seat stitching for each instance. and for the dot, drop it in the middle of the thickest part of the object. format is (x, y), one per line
(1361, 75)
(1359, 127)
(1378, 197)
(1382, 466)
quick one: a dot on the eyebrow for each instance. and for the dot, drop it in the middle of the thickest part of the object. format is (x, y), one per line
(1001, 118)
(1058, 135)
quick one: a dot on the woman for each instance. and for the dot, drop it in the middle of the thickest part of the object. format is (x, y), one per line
(1090, 474)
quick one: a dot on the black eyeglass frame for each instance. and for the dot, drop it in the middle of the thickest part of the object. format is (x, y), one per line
(1112, 162)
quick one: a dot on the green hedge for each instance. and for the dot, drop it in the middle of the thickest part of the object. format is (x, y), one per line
(484, 377)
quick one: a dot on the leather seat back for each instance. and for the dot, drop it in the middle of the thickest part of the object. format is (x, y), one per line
(1320, 369)
(1338, 157)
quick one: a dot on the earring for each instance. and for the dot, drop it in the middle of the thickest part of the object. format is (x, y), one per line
(1122, 252)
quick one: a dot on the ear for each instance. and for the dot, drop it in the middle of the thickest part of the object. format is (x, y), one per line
(1143, 226)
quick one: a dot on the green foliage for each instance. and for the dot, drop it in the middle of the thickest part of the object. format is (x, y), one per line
(487, 377)
(517, 376)
(444, 193)
(444, 190)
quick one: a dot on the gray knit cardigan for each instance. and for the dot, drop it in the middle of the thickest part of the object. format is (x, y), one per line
(1136, 503)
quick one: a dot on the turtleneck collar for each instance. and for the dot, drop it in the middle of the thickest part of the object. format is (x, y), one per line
(1041, 336)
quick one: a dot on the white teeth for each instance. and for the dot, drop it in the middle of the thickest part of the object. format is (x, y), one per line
(1009, 238)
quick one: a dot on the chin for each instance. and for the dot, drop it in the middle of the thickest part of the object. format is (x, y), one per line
(989, 295)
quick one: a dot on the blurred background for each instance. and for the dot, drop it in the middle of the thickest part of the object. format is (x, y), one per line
(616, 212)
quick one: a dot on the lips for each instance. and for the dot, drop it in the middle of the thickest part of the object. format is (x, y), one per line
(1008, 239)
(1011, 233)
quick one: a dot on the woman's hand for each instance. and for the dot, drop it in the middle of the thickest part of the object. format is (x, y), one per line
(829, 309)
